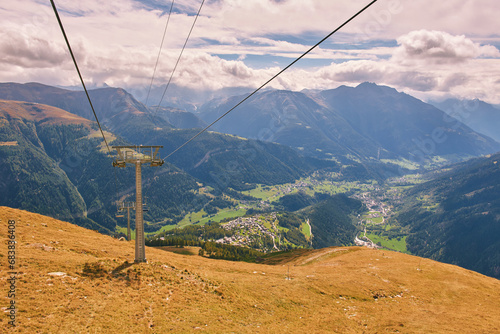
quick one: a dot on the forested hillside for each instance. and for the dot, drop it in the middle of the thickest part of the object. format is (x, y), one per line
(456, 218)
(30, 179)
(56, 163)
(333, 221)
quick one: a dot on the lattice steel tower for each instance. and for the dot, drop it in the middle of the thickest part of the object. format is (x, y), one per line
(138, 155)
(126, 206)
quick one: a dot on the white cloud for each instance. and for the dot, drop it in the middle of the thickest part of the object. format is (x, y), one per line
(33, 52)
(202, 71)
(440, 47)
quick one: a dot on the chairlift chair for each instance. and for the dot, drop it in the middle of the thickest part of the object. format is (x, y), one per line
(120, 213)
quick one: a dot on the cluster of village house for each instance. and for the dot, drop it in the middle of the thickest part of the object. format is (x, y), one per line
(251, 225)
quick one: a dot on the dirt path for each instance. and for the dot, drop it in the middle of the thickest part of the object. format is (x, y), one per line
(310, 229)
(321, 253)
(274, 243)
(369, 243)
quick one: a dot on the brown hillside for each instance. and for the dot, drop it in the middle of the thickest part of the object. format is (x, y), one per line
(72, 280)
(38, 113)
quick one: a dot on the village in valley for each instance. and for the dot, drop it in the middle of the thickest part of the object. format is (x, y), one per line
(255, 221)
(249, 229)
(375, 228)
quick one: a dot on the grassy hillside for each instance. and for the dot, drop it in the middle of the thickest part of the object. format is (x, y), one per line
(74, 280)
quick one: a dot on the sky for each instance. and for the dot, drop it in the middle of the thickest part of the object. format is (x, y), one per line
(426, 48)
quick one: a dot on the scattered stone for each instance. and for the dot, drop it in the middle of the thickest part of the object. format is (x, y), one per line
(41, 246)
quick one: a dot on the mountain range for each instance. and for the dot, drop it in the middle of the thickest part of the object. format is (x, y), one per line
(478, 115)
(43, 145)
(54, 161)
(367, 121)
(364, 122)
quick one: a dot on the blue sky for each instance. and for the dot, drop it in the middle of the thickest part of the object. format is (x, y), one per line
(430, 49)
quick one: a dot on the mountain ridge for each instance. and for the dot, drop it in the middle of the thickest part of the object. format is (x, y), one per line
(115, 107)
(42, 147)
(368, 121)
(479, 115)
(39, 113)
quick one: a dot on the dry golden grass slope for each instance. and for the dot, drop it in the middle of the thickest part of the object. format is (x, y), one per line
(38, 113)
(332, 290)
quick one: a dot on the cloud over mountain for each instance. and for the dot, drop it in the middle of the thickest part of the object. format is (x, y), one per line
(440, 47)
(16, 48)
(413, 46)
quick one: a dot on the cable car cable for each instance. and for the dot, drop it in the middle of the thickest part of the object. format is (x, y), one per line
(274, 77)
(84, 87)
(179, 58)
(78, 70)
(159, 52)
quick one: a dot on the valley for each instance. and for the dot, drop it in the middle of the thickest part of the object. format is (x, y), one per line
(85, 281)
(257, 218)
(266, 198)
(272, 166)
(328, 189)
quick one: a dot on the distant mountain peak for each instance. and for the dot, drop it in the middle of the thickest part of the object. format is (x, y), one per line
(364, 120)
(367, 84)
(375, 87)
